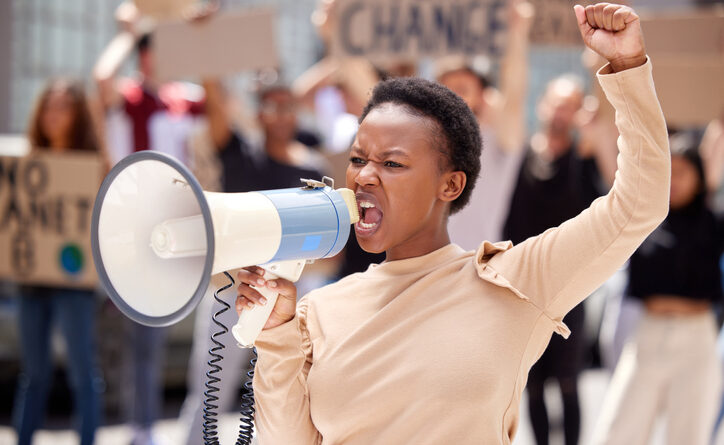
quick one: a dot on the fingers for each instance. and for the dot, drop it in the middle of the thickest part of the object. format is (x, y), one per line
(251, 294)
(201, 12)
(598, 15)
(606, 16)
(582, 20)
(247, 296)
(285, 288)
(252, 278)
(622, 17)
(607, 13)
(591, 16)
(252, 275)
(521, 14)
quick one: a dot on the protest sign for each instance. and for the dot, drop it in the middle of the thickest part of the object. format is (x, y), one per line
(14, 145)
(46, 202)
(163, 9)
(410, 29)
(555, 23)
(223, 44)
(687, 53)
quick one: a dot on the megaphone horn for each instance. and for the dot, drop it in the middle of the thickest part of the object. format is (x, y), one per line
(157, 237)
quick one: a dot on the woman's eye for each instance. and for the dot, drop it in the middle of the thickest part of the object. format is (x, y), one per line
(356, 160)
(393, 164)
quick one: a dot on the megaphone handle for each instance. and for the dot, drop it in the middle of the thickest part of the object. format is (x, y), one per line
(252, 321)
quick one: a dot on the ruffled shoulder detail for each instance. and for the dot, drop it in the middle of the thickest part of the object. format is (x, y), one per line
(484, 254)
(302, 314)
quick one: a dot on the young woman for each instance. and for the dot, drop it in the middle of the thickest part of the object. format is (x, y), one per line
(434, 344)
(60, 123)
(671, 365)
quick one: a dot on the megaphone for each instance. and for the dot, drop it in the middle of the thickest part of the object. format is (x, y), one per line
(157, 237)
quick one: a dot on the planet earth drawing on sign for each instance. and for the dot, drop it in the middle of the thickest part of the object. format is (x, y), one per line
(71, 259)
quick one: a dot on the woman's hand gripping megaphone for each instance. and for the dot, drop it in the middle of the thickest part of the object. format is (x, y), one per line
(248, 297)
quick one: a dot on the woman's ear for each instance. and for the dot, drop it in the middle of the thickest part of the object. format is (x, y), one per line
(452, 186)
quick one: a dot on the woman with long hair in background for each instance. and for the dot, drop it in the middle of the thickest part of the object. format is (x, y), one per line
(61, 123)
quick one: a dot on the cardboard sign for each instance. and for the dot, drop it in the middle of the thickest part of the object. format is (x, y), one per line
(690, 89)
(163, 9)
(224, 44)
(555, 23)
(46, 202)
(687, 53)
(689, 33)
(14, 145)
(409, 29)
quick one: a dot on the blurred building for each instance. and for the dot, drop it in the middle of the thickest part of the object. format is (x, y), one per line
(42, 39)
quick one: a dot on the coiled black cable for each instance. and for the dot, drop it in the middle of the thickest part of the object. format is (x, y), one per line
(246, 421)
(211, 415)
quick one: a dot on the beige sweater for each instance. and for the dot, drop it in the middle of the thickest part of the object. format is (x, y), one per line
(437, 349)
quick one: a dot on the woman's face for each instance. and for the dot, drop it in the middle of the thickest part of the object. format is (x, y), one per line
(402, 183)
(467, 86)
(56, 120)
(277, 114)
(685, 183)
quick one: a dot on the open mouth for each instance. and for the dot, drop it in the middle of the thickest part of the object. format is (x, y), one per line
(370, 216)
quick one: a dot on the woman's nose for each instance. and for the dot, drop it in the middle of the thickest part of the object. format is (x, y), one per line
(367, 175)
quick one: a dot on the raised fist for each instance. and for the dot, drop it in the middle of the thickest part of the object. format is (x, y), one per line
(614, 32)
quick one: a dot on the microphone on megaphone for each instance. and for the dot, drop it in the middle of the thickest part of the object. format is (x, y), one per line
(157, 237)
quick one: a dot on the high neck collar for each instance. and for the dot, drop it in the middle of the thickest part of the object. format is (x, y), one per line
(416, 264)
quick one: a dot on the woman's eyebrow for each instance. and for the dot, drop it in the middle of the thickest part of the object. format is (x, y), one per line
(356, 150)
(394, 152)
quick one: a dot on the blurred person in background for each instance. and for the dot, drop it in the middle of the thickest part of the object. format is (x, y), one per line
(712, 153)
(61, 123)
(335, 91)
(670, 366)
(281, 160)
(143, 114)
(555, 183)
(501, 114)
(622, 313)
(279, 163)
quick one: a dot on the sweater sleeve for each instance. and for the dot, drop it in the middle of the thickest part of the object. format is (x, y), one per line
(280, 383)
(557, 269)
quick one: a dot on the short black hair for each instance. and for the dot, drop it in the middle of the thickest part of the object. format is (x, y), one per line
(685, 144)
(461, 141)
(144, 42)
(264, 91)
(482, 79)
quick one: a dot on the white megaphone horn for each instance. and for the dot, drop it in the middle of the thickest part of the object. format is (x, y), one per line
(157, 237)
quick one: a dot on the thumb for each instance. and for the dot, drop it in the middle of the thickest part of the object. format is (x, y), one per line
(583, 24)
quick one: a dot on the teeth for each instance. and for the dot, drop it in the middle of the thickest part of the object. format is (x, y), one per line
(366, 205)
(365, 225)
